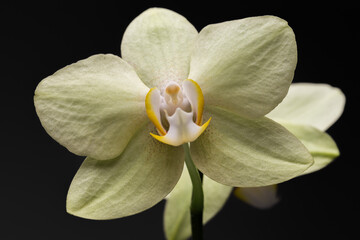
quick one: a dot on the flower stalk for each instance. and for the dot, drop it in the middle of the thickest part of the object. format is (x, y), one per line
(197, 198)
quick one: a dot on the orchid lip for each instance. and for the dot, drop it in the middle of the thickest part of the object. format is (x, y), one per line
(177, 113)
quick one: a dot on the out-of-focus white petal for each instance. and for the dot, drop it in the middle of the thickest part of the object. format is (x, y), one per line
(259, 197)
(321, 146)
(317, 105)
(177, 222)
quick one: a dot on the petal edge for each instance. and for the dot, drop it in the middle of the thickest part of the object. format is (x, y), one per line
(92, 107)
(136, 180)
(240, 152)
(250, 62)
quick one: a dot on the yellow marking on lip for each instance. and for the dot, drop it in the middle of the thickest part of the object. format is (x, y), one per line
(200, 101)
(154, 118)
(165, 139)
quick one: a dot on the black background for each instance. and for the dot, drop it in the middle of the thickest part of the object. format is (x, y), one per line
(39, 38)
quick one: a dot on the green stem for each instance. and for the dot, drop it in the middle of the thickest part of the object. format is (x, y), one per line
(197, 199)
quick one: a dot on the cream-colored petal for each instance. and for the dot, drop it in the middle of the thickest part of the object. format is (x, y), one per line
(236, 151)
(317, 105)
(321, 146)
(259, 197)
(177, 224)
(134, 181)
(92, 107)
(158, 44)
(245, 65)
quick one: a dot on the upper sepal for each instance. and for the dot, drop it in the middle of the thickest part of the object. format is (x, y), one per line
(158, 44)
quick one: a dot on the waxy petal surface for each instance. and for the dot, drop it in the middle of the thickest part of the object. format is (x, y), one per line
(92, 107)
(177, 222)
(321, 146)
(158, 44)
(236, 151)
(246, 65)
(136, 180)
(317, 105)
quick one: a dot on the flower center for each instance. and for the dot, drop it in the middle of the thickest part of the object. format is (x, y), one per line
(173, 98)
(177, 112)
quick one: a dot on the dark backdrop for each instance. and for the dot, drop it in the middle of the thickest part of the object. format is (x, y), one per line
(39, 38)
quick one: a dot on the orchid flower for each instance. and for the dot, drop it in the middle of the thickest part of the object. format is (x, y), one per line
(307, 111)
(173, 86)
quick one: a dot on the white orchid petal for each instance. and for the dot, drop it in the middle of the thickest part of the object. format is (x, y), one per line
(245, 66)
(317, 105)
(92, 107)
(321, 146)
(259, 197)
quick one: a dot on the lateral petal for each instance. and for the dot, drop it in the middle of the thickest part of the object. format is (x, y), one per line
(245, 66)
(92, 107)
